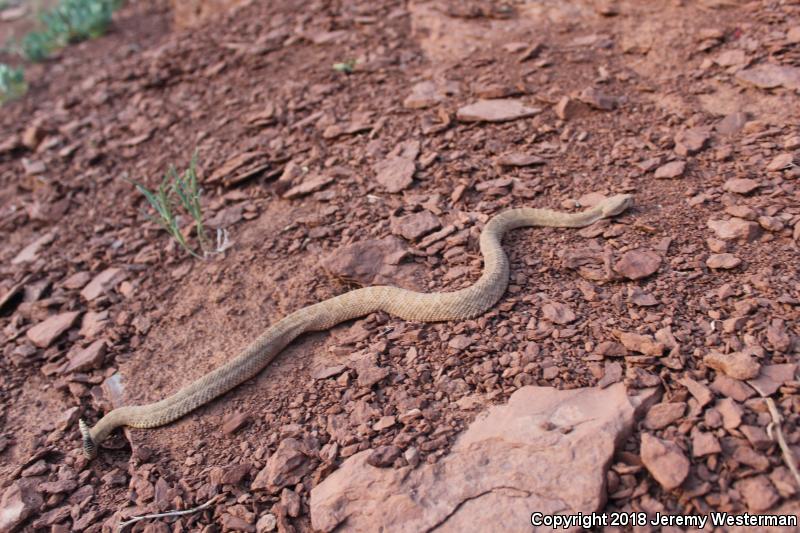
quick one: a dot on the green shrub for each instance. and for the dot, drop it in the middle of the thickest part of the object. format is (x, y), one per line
(70, 21)
(12, 83)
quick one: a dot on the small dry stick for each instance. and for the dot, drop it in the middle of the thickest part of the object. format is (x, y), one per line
(775, 432)
(135, 519)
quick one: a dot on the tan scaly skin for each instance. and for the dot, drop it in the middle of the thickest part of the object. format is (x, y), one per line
(408, 305)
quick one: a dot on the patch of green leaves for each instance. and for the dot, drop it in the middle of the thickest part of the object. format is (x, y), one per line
(12, 83)
(178, 193)
(345, 66)
(70, 21)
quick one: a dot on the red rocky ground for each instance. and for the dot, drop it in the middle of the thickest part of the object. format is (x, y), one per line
(386, 175)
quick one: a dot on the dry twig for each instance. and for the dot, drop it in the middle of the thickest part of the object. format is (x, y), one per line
(135, 519)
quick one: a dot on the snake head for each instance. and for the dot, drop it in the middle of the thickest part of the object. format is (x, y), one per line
(616, 204)
(89, 446)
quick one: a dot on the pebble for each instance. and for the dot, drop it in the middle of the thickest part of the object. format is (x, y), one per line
(663, 414)
(758, 493)
(311, 183)
(731, 413)
(519, 159)
(266, 523)
(46, 332)
(664, 460)
(395, 173)
(637, 264)
(724, 261)
(780, 162)
(741, 185)
(770, 76)
(704, 443)
(105, 280)
(691, 141)
(735, 229)
(500, 110)
(673, 169)
(87, 358)
(416, 225)
(558, 313)
(701, 393)
(643, 344)
(384, 456)
(234, 421)
(738, 365)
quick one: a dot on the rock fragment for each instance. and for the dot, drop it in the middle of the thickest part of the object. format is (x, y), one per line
(558, 313)
(673, 169)
(691, 141)
(663, 414)
(46, 332)
(311, 183)
(500, 110)
(664, 460)
(741, 185)
(638, 263)
(770, 76)
(290, 462)
(461, 493)
(758, 493)
(735, 229)
(20, 501)
(87, 358)
(415, 225)
(643, 344)
(104, 281)
(724, 261)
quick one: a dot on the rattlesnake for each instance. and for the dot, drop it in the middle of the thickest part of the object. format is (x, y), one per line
(408, 305)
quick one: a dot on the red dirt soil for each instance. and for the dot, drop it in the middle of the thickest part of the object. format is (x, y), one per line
(619, 86)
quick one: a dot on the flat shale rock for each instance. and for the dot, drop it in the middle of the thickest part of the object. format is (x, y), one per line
(512, 460)
(19, 501)
(45, 333)
(724, 261)
(735, 229)
(665, 461)
(741, 185)
(415, 225)
(500, 110)
(367, 262)
(673, 169)
(770, 76)
(638, 264)
(102, 282)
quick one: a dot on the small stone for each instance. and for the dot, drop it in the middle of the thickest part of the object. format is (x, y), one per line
(741, 185)
(46, 332)
(732, 123)
(598, 99)
(756, 436)
(611, 349)
(773, 224)
(460, 342)
(735, 229)
(385, 422)
(770, 75)
(643, 299)
(415, 225)
(311, 183)
(781, 162)
(793, 35)
(519, 159)
(88, 358)
(290, 502)
(328, 372)
(758, 493)
(384, 456)
(673, 169)
(732, 388)
(738, 365)
(266, 523)
(663, 414)
(423, 94)
(731, 413)
(742, 211)
(500, 110)
(105, 280)
(701, 393)
(19, 502)
(31, 252)
(730, 58)
(704, 443)
(772, 377)
(643, 344)
(395, 173)
(558, 313)
(234, 421)
(664, 460)
(691, 141)
(638, 263)
(285, 467)
(77, 281)
(723, 261)
(568, 108)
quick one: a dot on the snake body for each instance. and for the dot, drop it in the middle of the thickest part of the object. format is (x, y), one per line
(408, 305)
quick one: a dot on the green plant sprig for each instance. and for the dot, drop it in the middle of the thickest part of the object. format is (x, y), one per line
(178, 191)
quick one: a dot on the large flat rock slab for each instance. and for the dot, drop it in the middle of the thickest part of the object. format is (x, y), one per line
(546, 450)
